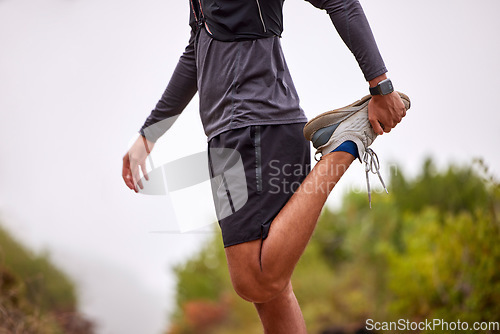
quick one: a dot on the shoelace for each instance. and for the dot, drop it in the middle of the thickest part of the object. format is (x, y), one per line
(318, 151)
(372, 165)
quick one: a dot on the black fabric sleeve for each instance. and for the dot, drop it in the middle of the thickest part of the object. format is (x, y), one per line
(179, 92)
(350, 21)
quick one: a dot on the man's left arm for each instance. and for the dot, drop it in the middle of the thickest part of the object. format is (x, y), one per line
(348, 17)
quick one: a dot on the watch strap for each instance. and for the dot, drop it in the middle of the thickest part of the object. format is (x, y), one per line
(375, 90)
(384, 87)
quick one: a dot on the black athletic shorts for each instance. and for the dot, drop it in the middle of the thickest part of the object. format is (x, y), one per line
(254, 171)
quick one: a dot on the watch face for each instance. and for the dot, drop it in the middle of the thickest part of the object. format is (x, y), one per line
(386, 87)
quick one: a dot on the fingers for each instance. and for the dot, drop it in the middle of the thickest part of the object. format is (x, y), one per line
(134, 167)
(377, 126)
(131, 175)
(144, 171)
(134, 162)
(386, 129)
(395, 121)
(397, 117)
(126, 172)
(391, 124)
(386, 112)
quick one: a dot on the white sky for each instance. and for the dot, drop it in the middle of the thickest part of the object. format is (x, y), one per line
(78, 78)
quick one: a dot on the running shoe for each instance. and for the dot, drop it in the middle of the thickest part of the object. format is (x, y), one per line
(330, 129)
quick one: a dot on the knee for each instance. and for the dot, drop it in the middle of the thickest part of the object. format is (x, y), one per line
(259, 289)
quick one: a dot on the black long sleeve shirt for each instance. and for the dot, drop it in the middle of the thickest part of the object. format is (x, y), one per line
(246, 81)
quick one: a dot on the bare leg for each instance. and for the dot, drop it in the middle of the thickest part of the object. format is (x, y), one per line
(260, 275)
(282, 315)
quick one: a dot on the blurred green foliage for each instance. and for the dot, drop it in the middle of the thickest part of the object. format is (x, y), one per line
(428, 250)
(35, 296)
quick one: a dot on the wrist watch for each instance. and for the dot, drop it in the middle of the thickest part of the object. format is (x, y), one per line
(384, 87)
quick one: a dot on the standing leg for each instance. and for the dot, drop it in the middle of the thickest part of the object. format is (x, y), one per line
(282, 315)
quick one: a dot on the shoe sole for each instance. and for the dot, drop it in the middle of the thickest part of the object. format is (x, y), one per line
(320, 128)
